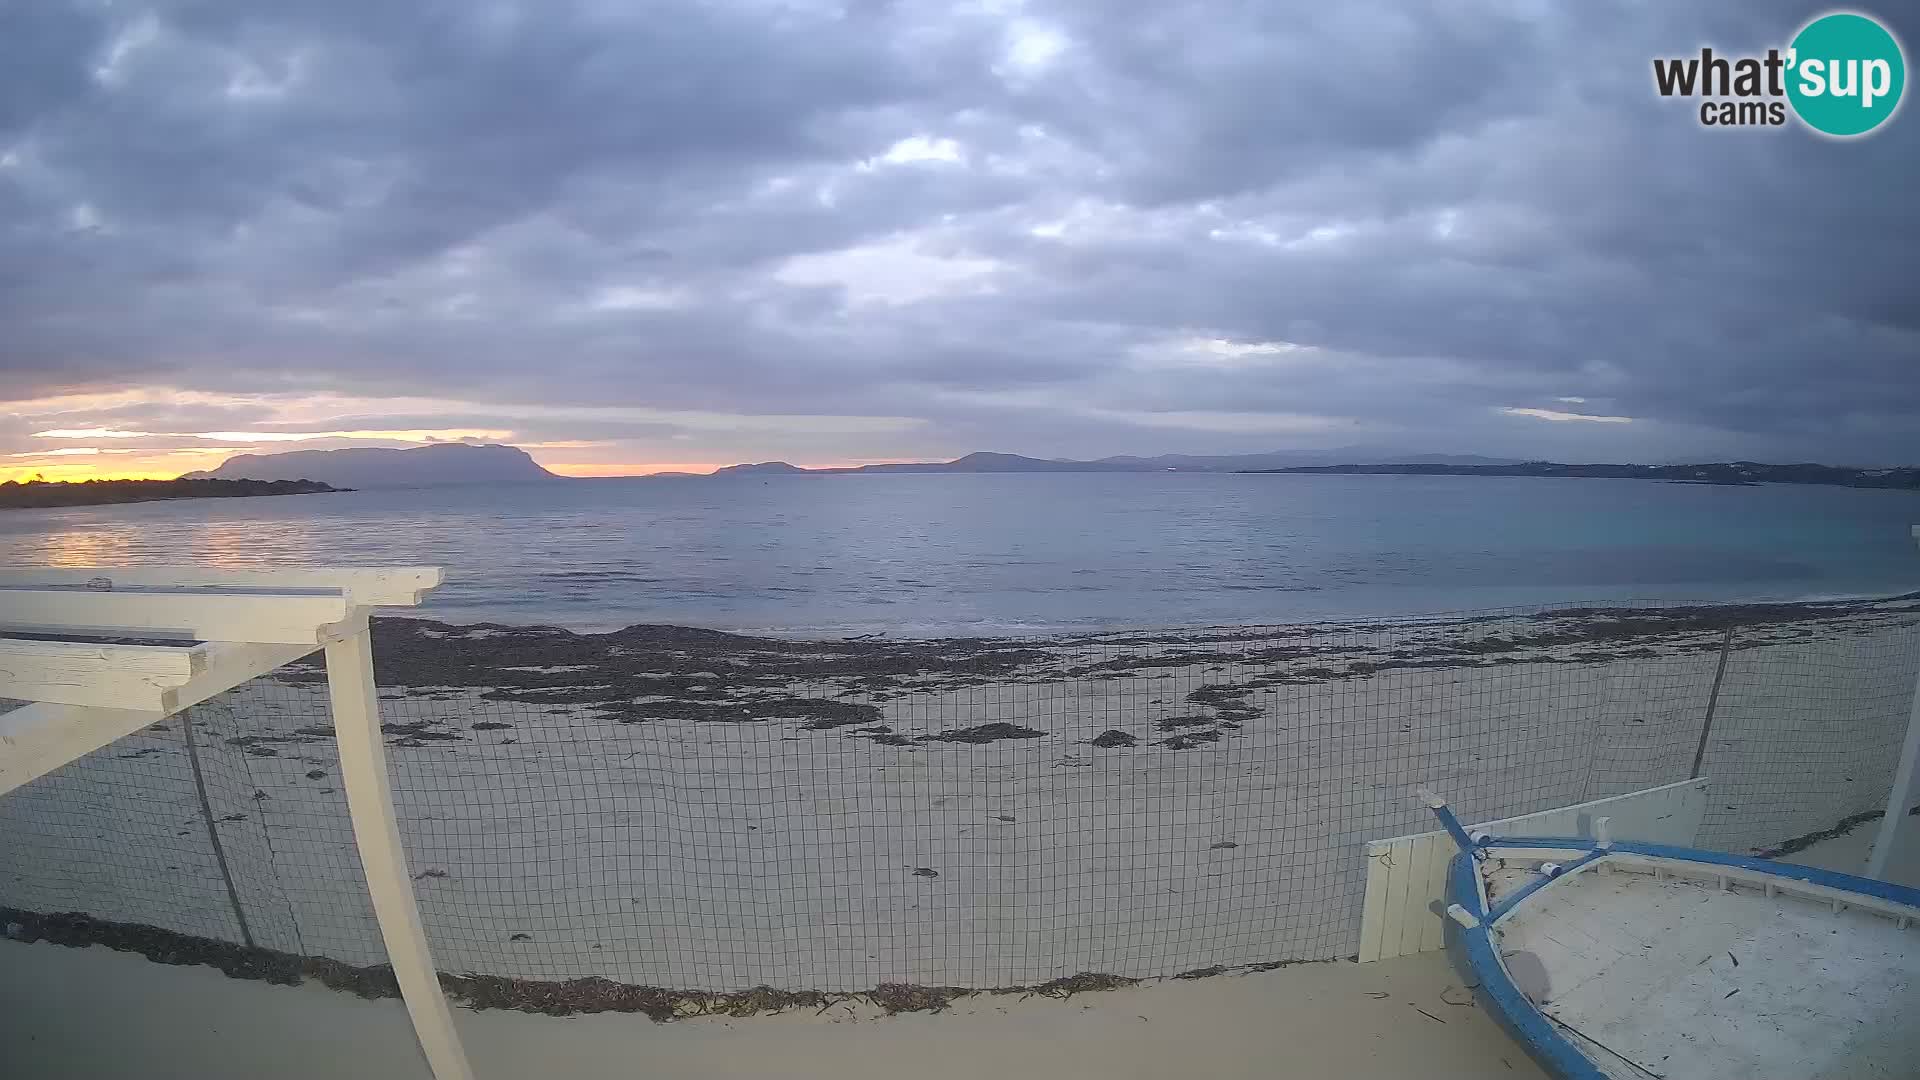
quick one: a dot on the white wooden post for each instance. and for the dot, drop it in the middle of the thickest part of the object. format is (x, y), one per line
(1904, 793)
(363, 769)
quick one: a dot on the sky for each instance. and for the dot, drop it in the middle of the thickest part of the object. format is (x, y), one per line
(634, 237)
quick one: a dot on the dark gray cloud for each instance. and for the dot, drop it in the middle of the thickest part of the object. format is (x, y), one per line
(1027, 226)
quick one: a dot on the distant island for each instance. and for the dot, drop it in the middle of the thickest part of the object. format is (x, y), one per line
(1722, 474)
(987, 462)
(41, 493)
(378, 467)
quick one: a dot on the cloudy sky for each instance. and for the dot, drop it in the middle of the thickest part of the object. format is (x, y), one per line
(677, 234)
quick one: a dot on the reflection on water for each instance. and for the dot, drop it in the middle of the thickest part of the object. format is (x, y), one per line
(248, 544)
(918, 555)
(99, 546)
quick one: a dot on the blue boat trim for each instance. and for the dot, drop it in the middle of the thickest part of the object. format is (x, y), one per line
(1513, 899)
(1812, 875)
(1453, 827)
(1525, 1023)
(1553, 1051)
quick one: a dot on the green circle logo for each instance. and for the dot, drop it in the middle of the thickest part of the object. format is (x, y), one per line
(1845, 74)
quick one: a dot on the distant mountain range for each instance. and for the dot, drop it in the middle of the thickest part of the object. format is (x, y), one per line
(373, 467)
(466, 463)
(1723, 473)
(985, 462)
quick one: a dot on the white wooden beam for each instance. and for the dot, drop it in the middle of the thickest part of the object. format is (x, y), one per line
(102, 687)
(20, 655)
(1896, 826)
(110, 676)
(289, 617)
(363, 771)
(385, 586)
(38, 738)
(230, 663)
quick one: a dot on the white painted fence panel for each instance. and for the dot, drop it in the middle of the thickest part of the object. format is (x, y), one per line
(1406, 875)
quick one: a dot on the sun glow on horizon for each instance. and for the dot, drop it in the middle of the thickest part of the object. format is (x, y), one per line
(79, 472)
(162, 432)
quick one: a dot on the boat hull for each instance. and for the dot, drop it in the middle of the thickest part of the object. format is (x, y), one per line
(1639, 960)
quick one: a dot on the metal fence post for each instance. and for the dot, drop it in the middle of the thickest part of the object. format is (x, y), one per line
(213, 829)
(1713, 703)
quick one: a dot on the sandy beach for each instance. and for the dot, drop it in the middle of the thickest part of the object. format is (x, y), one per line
(667, 807)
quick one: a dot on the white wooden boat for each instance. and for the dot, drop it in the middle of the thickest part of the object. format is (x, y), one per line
(1630, 961)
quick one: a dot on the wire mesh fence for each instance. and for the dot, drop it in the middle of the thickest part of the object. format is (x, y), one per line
(675, 808)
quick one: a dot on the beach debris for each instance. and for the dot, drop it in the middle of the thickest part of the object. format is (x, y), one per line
(926, 872)
(986, 733)
(764, 999)
(1187, 740)
(251, 743)
(434, 872)
(1276, 965)
(418, 733)
(1069, 985)
(1113, 737)
(370, 983)
(1202, 973)
(826, 715)
(554, 998)
(585, 995)
(1224, 845)
(1800, 843)
(489, 725)
(905, 997)
(1003, 817)
(316, 774)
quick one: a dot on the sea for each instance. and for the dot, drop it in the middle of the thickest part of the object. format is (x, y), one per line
(936, 555)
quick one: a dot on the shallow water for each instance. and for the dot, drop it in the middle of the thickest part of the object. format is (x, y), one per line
(913, 555)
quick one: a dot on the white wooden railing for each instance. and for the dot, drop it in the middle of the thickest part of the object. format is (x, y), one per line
(204, 631)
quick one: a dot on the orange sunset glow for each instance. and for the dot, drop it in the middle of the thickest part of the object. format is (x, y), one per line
(148, 433)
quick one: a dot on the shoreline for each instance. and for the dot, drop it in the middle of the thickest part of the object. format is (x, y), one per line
(504, 618)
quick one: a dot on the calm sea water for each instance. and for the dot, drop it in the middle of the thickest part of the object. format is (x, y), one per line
(963, 554)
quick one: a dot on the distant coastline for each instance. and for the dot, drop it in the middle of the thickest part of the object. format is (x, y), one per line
(985, 461)
(38, 494)
(1717, 474)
